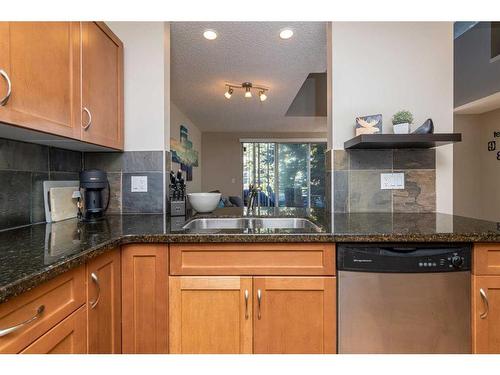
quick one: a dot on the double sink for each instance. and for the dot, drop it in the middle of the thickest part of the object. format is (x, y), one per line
(251, 223)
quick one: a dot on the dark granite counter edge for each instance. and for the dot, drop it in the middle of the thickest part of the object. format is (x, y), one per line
(28, 282)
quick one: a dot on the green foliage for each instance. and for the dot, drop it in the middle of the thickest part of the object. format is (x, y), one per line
(401, 117)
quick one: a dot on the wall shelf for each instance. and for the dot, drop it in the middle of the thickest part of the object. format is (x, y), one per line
(393, 141)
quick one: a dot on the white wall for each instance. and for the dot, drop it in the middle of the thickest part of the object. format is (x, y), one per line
(383, 67)
(177, 118)
(145, 82)
(477, 170)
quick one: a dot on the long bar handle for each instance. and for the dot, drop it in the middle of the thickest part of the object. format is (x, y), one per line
(259, 300)
(246, 304)
(85, 127)
(6, 331)
(95, 279)
(5, 99)
(484, 297)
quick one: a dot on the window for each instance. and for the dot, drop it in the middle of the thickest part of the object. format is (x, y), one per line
(289, 174)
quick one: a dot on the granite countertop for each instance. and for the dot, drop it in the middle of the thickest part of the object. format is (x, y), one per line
(36, 253)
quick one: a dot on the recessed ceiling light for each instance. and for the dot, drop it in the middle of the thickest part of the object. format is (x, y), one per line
(286, 33)
(210, 34)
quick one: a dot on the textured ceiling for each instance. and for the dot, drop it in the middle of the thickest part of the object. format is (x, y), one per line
(245, 51)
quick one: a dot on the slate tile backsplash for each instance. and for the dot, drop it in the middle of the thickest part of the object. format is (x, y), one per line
(357, 180)
(120, 168)
(23, 168)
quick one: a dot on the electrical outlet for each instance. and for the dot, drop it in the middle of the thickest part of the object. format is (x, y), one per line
(139, 184)
(394, 181)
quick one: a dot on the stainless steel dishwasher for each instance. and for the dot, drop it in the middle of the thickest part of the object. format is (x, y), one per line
(404, 298)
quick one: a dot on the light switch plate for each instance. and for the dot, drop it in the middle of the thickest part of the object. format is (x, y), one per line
(391, 181)
(139, 184)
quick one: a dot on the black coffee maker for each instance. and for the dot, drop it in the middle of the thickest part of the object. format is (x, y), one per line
(92, 184)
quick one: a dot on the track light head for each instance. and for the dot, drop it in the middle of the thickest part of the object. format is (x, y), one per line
(228, 93)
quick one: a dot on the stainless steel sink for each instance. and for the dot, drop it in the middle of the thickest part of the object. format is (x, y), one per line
(252, 223)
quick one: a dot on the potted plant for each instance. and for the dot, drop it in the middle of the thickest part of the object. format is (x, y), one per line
(401, 122)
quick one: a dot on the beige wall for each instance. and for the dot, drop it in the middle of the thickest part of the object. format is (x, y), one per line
(222, 159)
(477, 170)
(383, 67)
(177, 118)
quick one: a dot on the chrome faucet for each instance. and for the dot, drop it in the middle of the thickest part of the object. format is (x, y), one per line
(253, 192)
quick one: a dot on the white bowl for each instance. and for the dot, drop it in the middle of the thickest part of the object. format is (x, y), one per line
(204, 202)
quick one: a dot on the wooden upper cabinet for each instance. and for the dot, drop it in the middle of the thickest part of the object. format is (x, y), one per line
(486, 314)
(102, 86)
(68, 337)
(104, 304)
(295, 315)
(145, 298)
(42, 62)
(211, 315)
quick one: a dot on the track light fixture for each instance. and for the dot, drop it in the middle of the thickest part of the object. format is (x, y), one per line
(228, 93)
(247, 86)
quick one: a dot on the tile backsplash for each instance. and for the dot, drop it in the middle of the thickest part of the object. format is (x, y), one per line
(356, 180)
(23, 168)
(120, 168)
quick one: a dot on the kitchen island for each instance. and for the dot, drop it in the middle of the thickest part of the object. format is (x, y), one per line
(140, 271)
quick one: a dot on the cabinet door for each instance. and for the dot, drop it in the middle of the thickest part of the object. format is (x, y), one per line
(145, 298)
(294, 315)
(68, 337)
(211, 315)
(486, 314)
(104, 304)
(42, 62)
(102, 86)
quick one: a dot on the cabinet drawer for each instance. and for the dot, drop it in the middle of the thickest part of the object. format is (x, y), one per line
(486, 259)
(59, 298)
(68, 337)
(253, 259)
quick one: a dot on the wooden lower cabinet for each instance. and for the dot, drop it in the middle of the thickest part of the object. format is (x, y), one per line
(68, 337)
(486, 314)
(211, 314)
(145, 298)
(294, 315)
(104, 303)
(214, 315)
(41, 309)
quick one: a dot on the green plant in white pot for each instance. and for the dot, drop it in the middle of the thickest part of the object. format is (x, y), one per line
(401, 122)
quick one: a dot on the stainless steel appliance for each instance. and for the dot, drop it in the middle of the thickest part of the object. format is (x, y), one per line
(404, 298)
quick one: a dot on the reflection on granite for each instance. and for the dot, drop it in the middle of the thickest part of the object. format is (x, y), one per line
(36, 253)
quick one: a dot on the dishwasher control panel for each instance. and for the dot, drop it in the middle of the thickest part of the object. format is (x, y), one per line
(403, 258)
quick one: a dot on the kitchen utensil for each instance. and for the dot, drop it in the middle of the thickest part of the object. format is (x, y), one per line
(47, 185)
(63, 205)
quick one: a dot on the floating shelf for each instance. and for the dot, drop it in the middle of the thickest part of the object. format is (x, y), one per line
(392, 141)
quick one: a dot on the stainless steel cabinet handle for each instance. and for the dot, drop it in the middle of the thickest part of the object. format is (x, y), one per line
(6, 331)
(85, 127)
(246, 304)
(5, 99)
(259, 299)
(94, 278)
(484, 297)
